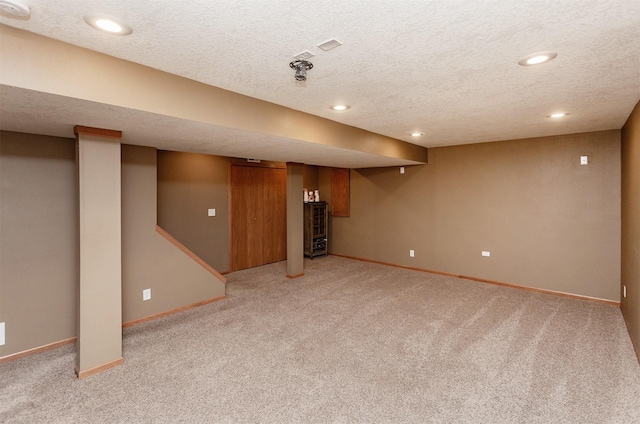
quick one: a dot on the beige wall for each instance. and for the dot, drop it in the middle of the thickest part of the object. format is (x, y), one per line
(295, 220)
(149, 260)
(188, 185)
(38, 240)
(100, 243)
(191, 183)
(631, 223)
(324, 184)
(39, 243)
(548, 222)
(310, 178)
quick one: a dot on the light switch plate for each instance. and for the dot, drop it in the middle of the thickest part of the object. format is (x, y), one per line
(402, 169)
(412, 253)
(584, 160)
(146, 294)
(1, 333)
(211, 212)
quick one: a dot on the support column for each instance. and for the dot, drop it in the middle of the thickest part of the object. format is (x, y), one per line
(100, 294)
(295, 218)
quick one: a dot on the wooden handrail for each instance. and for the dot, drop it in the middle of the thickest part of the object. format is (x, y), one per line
(189, 253)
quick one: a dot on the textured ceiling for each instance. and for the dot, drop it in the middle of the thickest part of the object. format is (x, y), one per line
(445, 68)
(23, 111)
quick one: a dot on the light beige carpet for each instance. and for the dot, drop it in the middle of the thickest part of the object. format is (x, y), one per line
(350, 342)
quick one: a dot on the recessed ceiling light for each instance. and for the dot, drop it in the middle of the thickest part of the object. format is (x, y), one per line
(537, 58)
(108, 24)
(340, 107)
(416, 134)
(14, 8)
(557, 115)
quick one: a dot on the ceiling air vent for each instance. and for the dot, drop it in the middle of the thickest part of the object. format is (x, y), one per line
(329, 44)
(304, 55)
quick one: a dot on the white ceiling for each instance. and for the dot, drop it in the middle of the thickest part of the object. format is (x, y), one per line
(446, 68)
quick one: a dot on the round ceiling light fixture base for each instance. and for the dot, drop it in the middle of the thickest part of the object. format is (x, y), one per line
(14, 8)
(301, 67)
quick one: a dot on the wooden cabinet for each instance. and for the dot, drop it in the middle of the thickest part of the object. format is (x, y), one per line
(316, 227)
(340, 191)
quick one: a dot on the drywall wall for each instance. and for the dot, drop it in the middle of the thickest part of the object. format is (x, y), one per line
(149, 260)
(188, 185)
(191, 183)
(310, 178)
(324, 184)
(38, 240)
(295, 221)
(631, 224)
(100, 281)
(547, 221)
(39, 243)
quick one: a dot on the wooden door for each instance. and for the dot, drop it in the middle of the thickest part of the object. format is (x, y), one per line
(258, 216)
(275, 229)
(246, 228)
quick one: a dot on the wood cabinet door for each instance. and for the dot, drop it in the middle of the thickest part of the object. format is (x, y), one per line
(258, 216)
(340, 181)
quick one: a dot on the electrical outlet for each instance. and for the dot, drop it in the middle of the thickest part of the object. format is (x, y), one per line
(402, 169)
(211, 212)
(146, 294)
(584, 160)
(1, 333)
(624, 291)
(485, 253)
(412, 253)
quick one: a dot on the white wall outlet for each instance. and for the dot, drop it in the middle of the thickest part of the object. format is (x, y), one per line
(584, 160)
(1, 333)
(412, 253)
(211, 212)
(624, 291)
(402, 169)
(146, 294)
(485, 253)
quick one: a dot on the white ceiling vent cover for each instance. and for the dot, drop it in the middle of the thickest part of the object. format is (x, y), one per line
(14, 8)
(300, 56)
(329, 44)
